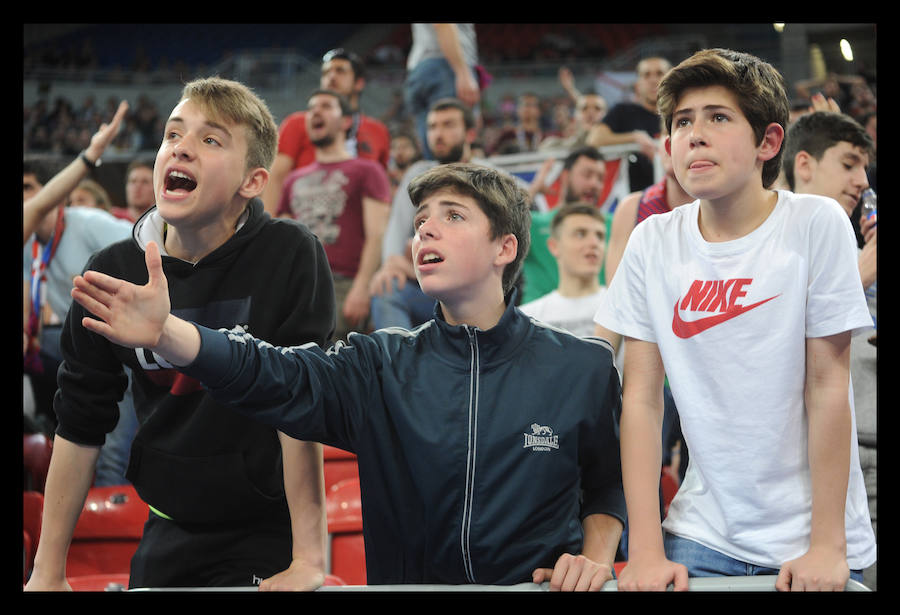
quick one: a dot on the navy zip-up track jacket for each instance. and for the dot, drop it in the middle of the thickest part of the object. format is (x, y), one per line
(480, 452)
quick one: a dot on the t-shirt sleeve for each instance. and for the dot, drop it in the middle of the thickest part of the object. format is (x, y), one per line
(624, 309)
(291, 135)
(836, 299)
(616, 119)
(377, 184)
(107, 229)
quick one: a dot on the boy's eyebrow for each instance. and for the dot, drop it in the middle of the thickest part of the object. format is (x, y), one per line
(705, 108)
(444, 202)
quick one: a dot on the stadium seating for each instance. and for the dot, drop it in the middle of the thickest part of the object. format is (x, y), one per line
(32, 509)
(669, 484)
(339, 465)
(108, 532)
(36, 451)
(344, 515)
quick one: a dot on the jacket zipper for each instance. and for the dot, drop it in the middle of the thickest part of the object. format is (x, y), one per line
(470, 458)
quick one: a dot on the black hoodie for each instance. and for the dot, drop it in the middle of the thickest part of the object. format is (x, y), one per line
(190, 459)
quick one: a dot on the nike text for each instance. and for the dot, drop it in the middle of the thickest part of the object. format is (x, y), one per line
(717, 296)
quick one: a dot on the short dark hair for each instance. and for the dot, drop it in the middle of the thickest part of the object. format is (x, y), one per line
(409, 135)
(138, 163)
(503, 201)
(356, 63)
(759, 89)
(43, 169)
(455, 103)
(816, 132)
(589, 151)
(571, 209)
(346, 109)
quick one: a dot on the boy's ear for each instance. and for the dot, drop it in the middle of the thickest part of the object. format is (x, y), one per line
(804, 167)
(771, 141)
(668, 144)
(254, 183)
(553, 246)
(509, 247)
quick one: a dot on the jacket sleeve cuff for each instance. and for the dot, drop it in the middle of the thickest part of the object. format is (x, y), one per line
(211, 363)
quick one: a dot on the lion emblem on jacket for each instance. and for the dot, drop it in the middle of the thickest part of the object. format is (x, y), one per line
(541, 430)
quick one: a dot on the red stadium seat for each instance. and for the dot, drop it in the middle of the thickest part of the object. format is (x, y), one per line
(36, 451)
(343, 507)
(344, 515)
(32, 509)
(669, 485)
(339, 470)
(339, 465)
(108, 531)
(348, 558)
(331, 453)
(99, 582)
(333, 580)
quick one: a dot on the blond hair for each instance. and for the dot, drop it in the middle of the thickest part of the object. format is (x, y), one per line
(223, 99)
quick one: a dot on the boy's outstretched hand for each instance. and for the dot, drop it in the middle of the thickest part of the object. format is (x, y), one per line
(126, 314)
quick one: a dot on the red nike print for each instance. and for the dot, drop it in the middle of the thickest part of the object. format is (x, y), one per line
(685, 329)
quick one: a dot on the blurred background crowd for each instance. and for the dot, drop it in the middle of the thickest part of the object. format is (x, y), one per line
(75, 74)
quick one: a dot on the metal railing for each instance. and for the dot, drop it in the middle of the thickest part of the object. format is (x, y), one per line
(763, 583)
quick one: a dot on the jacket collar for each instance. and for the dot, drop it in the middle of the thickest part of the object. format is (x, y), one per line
(496, 344)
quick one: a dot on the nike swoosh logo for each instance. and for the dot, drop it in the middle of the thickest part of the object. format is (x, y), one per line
(685, 329)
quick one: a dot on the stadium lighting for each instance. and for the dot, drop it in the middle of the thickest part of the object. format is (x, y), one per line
(846, 50)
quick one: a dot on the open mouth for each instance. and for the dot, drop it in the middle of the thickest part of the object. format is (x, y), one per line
(179, 181)
(430, 258)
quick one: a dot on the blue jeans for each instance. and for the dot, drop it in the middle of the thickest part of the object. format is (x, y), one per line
(429, 81)
(407, 307)
(705, 562)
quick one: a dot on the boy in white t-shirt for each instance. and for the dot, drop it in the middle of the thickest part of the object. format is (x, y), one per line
(577, 240)
(746, 298)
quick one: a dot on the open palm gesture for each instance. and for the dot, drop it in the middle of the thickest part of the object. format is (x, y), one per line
(126, 314)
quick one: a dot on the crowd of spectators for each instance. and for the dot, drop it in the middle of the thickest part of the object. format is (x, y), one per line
(64, 126)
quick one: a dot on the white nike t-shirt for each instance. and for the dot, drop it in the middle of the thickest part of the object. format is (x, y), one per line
(731, 321)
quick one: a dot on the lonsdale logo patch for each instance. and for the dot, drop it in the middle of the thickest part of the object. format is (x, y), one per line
(541, 438)
(719, 297)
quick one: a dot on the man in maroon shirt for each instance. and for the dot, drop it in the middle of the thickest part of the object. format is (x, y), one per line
(345, 201)
(344, 73)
